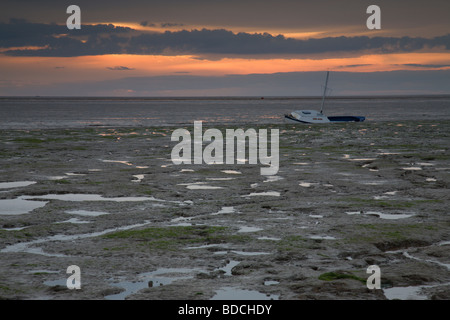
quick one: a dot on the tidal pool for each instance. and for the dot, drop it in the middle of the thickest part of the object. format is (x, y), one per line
(15, 184)
(19, 206)
(224, 210)
(267, 193)
(160, 277)
(94, 197)
(199, 186)
(383, 215)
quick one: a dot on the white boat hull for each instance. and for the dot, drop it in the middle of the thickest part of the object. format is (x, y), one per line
(306, 116)
(313, 116)
(294, 118)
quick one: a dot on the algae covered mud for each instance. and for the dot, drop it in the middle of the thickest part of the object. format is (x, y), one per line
(110, 200)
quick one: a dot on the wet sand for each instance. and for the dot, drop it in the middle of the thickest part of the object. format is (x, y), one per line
(111, 201)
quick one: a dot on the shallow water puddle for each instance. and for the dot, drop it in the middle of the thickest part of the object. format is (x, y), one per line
(179, 222)
(315, 237)
(231, 171)
(19, 206)
(273, 178)
(306, 184)
(230, 265)
(425, 164)
(118, 161)
(224, 210)
(74, 221)
(199, 186)
(249, 253)
(160, 277)
(361, 159)
(445, 265)
(15, 184)
(182, 221)
(230, 293)
(138, 178)
(127, 163)
(59, 282)
(267, 193)
(74, 174)
(269, 238)
(94, 197)
(373, 183)
(205, 246)
(220, 179)
(406, 293)
(383, 215)
(53, 178)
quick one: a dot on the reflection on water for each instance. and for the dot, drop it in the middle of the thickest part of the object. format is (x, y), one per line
(267, 193)
(383, 215)
(160, 277)
(224, 210)
(19, 206)
(85, 112)
(15, 184)
(95, 197)
(199, 186)
(406, 293)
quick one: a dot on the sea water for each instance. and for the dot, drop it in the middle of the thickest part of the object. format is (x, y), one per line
(37, 113)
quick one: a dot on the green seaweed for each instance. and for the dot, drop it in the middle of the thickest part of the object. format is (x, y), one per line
(169, 238)
(331, 276)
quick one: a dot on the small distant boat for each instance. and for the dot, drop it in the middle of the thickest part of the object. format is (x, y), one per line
(313, 116)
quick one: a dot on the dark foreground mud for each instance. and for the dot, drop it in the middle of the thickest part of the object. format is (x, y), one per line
(111, 201)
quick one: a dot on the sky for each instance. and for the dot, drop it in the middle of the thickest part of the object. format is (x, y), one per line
(224, 48)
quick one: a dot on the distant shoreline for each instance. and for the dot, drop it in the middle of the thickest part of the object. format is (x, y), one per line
(206, 98)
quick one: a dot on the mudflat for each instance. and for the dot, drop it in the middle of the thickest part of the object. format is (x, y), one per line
(110, 200)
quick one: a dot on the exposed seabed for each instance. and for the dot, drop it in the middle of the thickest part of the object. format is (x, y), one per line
(111, 201)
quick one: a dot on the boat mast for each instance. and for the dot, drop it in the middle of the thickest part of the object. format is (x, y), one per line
(324, 92)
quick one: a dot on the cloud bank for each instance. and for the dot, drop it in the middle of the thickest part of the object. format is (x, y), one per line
(23, 38)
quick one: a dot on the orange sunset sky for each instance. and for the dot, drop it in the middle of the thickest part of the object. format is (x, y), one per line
(151, 48)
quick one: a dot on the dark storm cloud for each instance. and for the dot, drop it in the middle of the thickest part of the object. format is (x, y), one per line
(427, 66)
(171, 24)
(417, 17)
(147, 24)
(57, 40)
(119, 68)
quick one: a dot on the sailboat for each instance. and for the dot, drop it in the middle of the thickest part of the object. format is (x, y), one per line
(313, 116)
